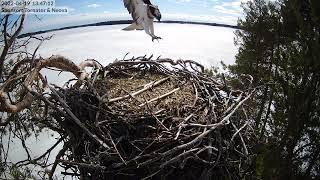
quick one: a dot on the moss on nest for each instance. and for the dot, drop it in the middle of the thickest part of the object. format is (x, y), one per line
(177, 103)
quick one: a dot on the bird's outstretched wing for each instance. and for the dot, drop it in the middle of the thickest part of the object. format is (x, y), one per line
(133, 7)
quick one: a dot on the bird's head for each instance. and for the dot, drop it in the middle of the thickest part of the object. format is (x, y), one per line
(155, 12)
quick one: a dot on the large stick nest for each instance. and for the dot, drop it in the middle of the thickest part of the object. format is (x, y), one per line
(143, 118)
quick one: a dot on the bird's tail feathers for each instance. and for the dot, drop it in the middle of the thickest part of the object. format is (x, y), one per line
(133, 26)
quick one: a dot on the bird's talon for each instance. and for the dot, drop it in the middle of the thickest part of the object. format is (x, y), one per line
(156, 37)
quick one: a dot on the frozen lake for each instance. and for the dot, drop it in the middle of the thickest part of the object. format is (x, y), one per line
(205, 44)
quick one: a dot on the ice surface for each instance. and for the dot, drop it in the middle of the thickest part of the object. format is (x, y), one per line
(205, 44)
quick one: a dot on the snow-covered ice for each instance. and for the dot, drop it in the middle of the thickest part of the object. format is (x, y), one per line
(205, 44)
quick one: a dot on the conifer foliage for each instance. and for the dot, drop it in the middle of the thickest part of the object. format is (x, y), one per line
(279, 46)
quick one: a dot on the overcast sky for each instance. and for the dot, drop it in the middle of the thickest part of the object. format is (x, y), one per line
(90, 11)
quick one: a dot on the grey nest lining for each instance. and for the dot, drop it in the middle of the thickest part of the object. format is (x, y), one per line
(154, 119)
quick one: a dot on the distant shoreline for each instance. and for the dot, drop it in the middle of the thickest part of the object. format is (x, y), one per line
(108, 23)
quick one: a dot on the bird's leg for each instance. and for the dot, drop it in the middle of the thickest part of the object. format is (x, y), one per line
(147, 30)
(152, 33)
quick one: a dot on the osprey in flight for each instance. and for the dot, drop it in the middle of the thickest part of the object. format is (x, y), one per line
(143, 14)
